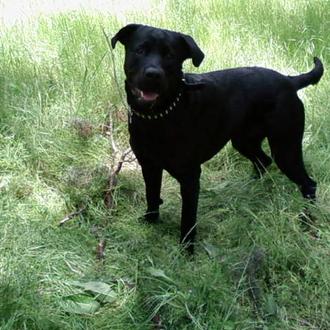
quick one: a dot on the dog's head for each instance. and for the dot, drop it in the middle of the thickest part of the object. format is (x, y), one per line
(153, 61)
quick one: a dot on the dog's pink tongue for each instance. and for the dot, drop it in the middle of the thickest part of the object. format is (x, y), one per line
(149, 96)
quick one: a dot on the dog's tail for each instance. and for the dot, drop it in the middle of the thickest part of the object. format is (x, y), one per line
(310, 78)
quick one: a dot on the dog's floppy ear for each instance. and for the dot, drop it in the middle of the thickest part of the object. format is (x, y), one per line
(123, 34)
(194, 52)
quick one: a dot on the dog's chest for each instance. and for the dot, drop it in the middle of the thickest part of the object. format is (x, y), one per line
(163, 140)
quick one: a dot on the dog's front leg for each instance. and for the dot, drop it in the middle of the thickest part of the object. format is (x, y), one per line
(189, 184)
(153, 180)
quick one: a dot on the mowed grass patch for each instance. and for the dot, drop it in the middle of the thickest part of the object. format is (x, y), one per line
(255, 266)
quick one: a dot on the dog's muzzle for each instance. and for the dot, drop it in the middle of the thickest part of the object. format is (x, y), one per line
(150, 84)
(145, 96)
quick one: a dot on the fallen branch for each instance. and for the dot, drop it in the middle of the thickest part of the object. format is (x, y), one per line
(157, 323)
(100, 249)
(119, 156)
(110, 133)
(113, 178)
(72, 215)
(255, 266)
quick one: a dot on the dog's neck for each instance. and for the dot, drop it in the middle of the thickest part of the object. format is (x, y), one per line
(162, 109)
(155, 110)
(154, 115)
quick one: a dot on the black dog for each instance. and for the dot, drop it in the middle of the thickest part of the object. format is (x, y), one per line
(178, 121)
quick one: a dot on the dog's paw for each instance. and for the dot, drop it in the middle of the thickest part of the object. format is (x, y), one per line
(307, 222)
(306, 219)
(190, 249)
(257, 174)
(150, 217)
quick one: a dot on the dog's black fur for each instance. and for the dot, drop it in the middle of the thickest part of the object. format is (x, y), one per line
(178, 121)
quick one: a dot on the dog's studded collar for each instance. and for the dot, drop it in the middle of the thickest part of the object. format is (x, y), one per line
(157, 115)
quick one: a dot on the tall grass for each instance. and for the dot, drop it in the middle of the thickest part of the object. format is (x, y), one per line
(254, 266)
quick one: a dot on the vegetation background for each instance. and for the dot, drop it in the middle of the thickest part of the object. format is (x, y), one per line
(256, 266)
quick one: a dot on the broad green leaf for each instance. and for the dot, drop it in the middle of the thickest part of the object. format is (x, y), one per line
(80, 304)
(158, 273)
(229, 325)
(101, 290)
(271, 307)
(211, 250)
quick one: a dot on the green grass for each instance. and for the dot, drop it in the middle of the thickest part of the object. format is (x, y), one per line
(57, 87)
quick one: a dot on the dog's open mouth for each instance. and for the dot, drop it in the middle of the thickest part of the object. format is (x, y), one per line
(145, 96)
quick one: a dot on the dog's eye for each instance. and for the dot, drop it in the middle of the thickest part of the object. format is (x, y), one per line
(169, 55)
(139, 51)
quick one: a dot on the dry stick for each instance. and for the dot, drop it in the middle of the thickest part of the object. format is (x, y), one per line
(72, 215)
(114, 68)
(100, 250)
(115, 168)
(110, 134)
(113, 181)
(113, 178)
(255, 264)
(157, 322)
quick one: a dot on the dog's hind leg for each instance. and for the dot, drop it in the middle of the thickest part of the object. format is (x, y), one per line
(285, 139)
(289, 159)
(250, 147)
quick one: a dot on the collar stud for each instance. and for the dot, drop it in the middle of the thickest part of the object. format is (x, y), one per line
(158, 115)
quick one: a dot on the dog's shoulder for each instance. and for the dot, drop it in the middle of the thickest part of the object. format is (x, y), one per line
(193, 81)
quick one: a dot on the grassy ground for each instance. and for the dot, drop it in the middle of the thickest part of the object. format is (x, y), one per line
(255, 266)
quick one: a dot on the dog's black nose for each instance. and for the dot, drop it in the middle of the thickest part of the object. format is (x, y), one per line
(153, 73)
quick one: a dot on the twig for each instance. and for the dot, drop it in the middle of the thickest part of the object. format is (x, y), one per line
(110, 131)
(114, 68)
(254, 266)
(72, 215)
(113, 181)
(119, 156)
(123, 160)
(100, 250)
(157, 323)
